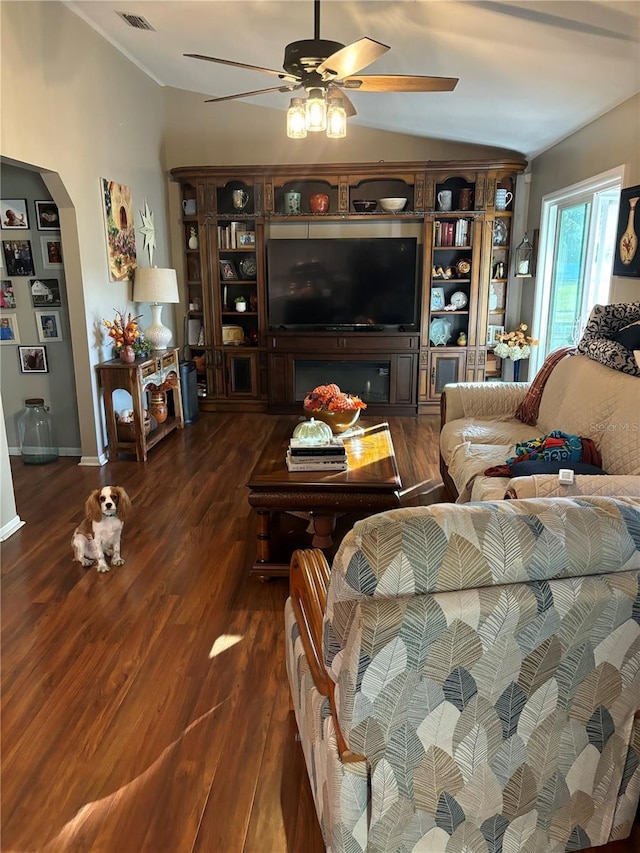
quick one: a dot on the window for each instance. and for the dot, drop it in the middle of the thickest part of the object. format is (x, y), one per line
(577, 240)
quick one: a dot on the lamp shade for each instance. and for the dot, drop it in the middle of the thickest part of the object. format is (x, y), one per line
(156, 286)
(152, 284)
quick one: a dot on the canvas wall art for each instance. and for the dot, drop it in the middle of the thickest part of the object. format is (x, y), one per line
(119, 229)
(626, 258)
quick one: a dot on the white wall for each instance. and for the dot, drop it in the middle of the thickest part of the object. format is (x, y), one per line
(78, 110)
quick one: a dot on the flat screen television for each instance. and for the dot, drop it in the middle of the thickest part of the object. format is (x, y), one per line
(340, 283)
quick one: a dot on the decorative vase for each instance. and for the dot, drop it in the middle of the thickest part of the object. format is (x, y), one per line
(516, 371)
(193, 239)
(158, 406)
(319, 203)
(629, 240)
(241, 306)
(338, 421)
(127, 354)
(462, 340)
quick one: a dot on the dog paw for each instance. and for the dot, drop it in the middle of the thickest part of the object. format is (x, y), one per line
(103, 568)
(86, 561)
(117, 561)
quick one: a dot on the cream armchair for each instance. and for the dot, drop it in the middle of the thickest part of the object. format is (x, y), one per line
(467, 677)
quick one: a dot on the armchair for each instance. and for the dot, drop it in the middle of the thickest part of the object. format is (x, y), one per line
(468, 677)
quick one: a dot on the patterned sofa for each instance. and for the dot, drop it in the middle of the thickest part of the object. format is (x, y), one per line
(467, 678)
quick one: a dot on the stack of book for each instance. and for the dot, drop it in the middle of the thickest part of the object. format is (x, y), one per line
(316, 457)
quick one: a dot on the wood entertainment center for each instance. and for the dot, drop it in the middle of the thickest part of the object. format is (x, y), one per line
(244, 364)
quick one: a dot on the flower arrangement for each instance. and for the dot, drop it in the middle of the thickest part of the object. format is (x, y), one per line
(329, 398)
(515, 345)
(123, 332)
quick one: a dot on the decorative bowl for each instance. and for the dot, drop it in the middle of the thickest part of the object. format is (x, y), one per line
(338, 421)
(363, 205)
(392, 205)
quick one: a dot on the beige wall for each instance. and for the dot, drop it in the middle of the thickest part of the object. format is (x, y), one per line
(610, 141)
(200, 134)
(76, 109)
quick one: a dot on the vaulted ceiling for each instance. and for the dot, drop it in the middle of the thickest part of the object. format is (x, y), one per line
(530, 73)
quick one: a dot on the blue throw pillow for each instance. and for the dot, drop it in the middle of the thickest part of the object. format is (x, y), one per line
(525, 469)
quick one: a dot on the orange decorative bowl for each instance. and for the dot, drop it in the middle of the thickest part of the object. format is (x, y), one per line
(338, 421)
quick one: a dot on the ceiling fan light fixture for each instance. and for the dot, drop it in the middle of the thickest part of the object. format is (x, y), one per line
(336, 119)
(296, 119)
(316, 111)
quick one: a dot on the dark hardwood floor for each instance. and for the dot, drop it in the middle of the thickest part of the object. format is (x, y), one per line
(147, 709)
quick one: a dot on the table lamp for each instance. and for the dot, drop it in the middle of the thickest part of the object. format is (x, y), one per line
(156, 286)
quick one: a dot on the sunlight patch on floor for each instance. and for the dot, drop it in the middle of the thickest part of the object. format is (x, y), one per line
(224, 642)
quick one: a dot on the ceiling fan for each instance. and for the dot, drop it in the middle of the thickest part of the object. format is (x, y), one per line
(331, 67)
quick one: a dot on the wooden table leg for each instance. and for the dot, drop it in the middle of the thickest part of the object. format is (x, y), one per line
(323, 526)
(263, 526)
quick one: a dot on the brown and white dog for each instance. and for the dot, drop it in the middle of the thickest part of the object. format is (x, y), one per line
(98, 536)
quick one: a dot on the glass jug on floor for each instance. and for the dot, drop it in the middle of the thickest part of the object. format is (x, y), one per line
(38, 443)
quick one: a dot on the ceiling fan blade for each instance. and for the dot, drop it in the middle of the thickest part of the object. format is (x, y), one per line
(352, 58)
(281, 74)
(256, 92)
(399, 83)
(338, 92)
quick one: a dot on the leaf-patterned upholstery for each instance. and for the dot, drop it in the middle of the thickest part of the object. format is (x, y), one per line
(486, 666)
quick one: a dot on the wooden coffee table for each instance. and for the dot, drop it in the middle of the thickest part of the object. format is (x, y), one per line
(371, 484)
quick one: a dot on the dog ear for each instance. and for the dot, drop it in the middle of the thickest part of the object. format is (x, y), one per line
(92, 506)
(124, 502)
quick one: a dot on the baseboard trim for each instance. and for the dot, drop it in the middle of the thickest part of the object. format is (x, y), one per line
(93, 461)
(10, 527)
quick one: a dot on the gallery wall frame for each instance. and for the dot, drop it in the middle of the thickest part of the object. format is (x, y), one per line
(49, 326)
(33, 359)
(626, 257)
(51, 252)
(18, 259)
(45, 293)
(7, 294)
(47, 216)
(9, 333)
(13, 214)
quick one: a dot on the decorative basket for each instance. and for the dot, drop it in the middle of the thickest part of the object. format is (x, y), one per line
(127, 429)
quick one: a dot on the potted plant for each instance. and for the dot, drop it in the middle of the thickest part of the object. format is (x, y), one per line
(241, 303)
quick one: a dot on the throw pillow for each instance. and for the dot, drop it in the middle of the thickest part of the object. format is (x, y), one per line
(527, 411)
(629, 336)
(525, 469)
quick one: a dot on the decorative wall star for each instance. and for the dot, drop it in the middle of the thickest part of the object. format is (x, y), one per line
(148, 230)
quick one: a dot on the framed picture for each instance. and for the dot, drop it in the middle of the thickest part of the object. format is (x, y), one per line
(246, 238)
(7, 296)
(45, 293)
(492, 333)
(626, 256)
(51, 252)
(228, 270)
(437, 298)
(47, 216)
(117, 204)
(49, 328)
(18, 259)
(33, 359)
(9, 329)
(13, 213)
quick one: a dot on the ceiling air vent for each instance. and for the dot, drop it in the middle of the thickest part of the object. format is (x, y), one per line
(136, 21)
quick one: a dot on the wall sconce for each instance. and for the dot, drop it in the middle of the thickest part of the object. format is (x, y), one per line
(524, 258)
(156, 286)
